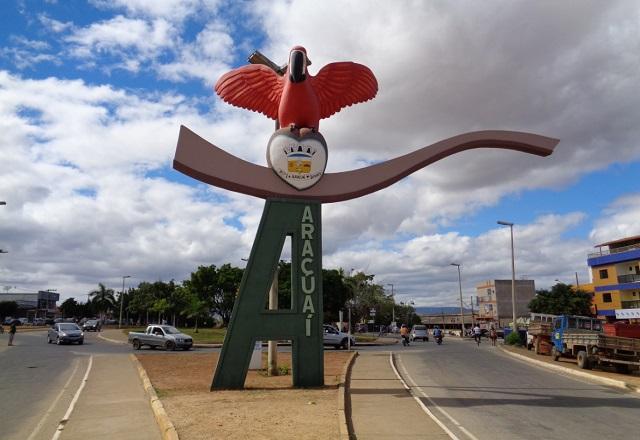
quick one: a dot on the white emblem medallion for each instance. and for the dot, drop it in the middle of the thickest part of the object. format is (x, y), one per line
(298, 160)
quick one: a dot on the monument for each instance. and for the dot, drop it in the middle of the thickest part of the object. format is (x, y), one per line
(294, 186)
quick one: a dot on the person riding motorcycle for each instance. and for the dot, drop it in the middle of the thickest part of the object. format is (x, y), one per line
(404, 333)
(437, 334)
(477, 334)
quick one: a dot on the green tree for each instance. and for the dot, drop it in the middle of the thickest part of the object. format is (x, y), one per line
(103, 299)
(335, 293)
(8, 308)
(195, 308)
(228, 284)
(69, 308)
(141, 300)
(203, 283)
(561, 300)
(366, 295)
(160, 306)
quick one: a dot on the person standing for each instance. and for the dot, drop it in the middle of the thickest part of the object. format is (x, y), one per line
(493, 334)
(12, 331)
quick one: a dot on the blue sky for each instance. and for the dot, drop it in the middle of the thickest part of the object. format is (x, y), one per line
(92, 94)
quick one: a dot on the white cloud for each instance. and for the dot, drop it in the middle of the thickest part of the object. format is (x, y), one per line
(53, 24)
(206, 58)
(81, 210)
(176, 10)
(620, 219)
(420, 267)
(120, 35)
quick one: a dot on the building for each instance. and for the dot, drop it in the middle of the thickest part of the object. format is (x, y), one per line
(448, 320)
(615, 270)
(494, 300)
(34, 305)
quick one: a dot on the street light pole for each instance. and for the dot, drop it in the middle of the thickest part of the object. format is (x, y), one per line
(122, 299)
(393, 310)
(461, 310)
(513, 273)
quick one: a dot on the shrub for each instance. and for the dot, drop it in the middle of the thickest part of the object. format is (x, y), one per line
(513, 339)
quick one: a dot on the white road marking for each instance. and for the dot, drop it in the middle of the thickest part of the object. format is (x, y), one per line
(38, 427)
(65, 419)
(415, 388)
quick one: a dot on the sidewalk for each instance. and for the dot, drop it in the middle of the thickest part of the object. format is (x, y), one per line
(113, 404)
(381, 408)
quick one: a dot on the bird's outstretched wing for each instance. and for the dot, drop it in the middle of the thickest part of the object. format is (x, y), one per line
(254, 87)
(339, 85)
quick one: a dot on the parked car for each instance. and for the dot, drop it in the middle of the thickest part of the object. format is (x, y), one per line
(7, 320)
(165, 336)
(336, 338)
(419, 332)
(65, 332)
(23, 321)
(91, 325)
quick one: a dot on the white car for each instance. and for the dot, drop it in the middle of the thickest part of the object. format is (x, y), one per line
(336, 338)
(419, 332)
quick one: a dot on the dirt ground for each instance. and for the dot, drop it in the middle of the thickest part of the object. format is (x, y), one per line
(269, 408)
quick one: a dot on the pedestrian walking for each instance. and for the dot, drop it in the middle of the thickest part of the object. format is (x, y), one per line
(493, 335)
(12, 331)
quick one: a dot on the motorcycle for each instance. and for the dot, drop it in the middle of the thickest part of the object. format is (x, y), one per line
(405, 341)
(439, 339)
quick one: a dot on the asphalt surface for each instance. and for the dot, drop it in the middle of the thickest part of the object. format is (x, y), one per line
(482, 393)
(38, 381)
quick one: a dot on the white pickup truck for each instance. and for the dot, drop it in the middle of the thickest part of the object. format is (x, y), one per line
(164, 336)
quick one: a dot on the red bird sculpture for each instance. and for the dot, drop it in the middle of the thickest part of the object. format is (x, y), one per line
(298, 99)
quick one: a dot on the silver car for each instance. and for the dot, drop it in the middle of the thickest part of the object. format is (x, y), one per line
(65, 332)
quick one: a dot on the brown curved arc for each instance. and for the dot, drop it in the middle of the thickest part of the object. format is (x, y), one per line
(204, 161)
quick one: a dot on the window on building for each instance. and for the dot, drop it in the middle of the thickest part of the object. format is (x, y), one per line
(604, 274)
(606, 297)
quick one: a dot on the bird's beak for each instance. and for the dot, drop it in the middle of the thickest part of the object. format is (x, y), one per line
(297, 66)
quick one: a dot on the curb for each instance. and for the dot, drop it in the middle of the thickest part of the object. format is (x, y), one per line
(344, 405)
(167, 429)
(582, 374)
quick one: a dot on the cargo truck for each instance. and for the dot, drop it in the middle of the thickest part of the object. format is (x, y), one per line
(582, 338)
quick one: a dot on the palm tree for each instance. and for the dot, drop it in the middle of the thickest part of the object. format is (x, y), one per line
(195, 308)
(103, 299)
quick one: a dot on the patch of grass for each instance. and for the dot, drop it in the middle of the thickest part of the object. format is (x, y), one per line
(161, 393)
(513, 339)
(204, 335)
(360, 338)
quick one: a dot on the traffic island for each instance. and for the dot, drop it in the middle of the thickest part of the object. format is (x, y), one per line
(269, 407)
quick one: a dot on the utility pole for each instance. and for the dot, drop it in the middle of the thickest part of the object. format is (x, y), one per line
(272, 350)
(461, 310)
(513, 274)
(473, 317)
(122, 299)
(393, 310)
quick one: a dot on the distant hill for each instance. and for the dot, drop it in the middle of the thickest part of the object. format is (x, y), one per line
(440, 310)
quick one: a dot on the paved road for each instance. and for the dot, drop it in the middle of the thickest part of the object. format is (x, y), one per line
(482, 393)
(38, 381)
